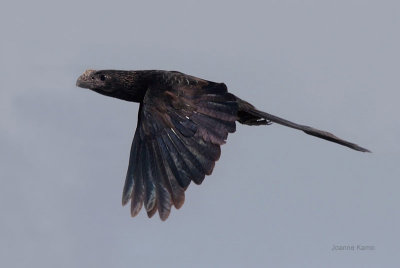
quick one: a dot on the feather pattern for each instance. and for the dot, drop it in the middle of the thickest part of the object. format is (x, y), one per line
(180, 129)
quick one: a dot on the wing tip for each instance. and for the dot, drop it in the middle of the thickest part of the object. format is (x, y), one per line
(125, 200)
(164, 215)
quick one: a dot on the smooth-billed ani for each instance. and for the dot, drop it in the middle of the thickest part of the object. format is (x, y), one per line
(183, 120)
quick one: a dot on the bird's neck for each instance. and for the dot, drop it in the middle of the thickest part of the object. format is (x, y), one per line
(130, 85)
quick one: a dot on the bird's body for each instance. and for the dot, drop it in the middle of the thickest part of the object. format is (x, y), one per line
(183, 120)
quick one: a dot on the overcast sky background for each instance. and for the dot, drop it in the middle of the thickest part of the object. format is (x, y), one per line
(276, 198)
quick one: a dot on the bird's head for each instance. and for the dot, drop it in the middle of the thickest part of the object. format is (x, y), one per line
(124, 85)
(95, 80)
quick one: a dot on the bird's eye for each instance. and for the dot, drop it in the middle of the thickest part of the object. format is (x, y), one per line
(102, 77)
(92, 77)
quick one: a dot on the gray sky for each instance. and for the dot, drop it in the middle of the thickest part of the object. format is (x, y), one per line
(277, 197)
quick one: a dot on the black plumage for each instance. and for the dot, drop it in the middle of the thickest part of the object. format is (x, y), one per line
(182, 122)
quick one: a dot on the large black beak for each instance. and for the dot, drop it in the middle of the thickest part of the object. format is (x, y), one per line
(85, 80)
(79, 82)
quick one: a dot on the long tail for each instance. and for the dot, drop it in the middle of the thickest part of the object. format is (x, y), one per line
(249, 115)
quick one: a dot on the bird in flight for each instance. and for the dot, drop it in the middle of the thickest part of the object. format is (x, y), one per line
(183, 120)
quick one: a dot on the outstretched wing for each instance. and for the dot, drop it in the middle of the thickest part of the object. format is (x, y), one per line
(181, 126)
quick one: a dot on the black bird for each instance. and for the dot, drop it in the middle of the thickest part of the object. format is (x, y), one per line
(183, 120)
